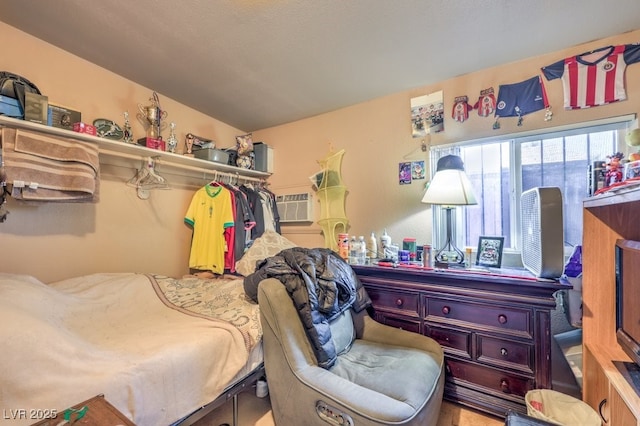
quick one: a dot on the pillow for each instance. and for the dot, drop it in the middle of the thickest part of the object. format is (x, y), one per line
(246, 161)
(267, 245)
(244, 144)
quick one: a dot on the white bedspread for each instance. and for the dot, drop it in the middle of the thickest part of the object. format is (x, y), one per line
(109, 334)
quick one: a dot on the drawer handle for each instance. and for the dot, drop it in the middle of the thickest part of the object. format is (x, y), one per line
(440, 338)
(446, 310)
(502, 319)
(504, 352)
(504, 386)
(399, 302)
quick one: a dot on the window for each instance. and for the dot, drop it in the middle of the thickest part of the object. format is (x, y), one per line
(501, 169)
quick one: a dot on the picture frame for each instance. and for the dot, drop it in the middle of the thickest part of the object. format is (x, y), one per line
(490, 251)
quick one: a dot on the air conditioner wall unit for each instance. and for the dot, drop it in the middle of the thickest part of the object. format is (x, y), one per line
(295, 208)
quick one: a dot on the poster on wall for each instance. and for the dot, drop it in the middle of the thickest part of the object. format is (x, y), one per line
(404, 173)
(417, 170)
(409, 171)
(427, 114)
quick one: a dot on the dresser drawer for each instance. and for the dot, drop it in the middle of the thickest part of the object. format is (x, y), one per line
(505, 353)
(494, 381)
(396, 300)
(500, 318)
(454, 342)
(408, 324)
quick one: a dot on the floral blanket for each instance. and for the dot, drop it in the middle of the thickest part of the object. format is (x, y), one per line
(223, 299)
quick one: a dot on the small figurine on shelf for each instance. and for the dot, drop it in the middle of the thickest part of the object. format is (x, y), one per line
(172, 142)
(127, 133)
(613, 166)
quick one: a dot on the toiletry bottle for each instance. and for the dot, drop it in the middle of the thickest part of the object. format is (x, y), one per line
(467, 258)
(362, 251)
(353, 250)
(373, 246)
(385, 242)
(427, 260)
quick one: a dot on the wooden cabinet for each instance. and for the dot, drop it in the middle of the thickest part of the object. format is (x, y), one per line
(495, 329)
(607, 218)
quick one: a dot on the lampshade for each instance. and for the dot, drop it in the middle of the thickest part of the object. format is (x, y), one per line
(450, 185)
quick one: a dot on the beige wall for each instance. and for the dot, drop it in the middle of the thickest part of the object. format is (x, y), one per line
(124, 233)
(121, 232)
(377, 136)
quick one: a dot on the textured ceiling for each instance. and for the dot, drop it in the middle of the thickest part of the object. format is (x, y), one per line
(258, 63)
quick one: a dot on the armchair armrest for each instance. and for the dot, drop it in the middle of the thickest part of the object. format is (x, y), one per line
(369, 329)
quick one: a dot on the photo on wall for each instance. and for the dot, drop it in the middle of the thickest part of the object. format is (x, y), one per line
(427, 114)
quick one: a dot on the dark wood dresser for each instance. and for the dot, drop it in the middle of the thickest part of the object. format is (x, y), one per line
(495, 329)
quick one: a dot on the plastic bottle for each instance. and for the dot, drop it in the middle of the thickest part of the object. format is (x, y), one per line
(373, 246)
(385, 242)
(362, 251)
(353, 250)
(467, 258)
(427, 260)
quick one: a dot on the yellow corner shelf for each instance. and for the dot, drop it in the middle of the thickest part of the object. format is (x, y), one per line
(331, 194)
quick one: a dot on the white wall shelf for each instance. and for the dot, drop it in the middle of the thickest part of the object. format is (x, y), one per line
(124, 154)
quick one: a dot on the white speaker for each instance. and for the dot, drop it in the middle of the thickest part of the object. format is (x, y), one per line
(295, 208)
(542, 232)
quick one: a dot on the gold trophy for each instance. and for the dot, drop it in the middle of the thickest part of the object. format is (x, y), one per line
(151, 116)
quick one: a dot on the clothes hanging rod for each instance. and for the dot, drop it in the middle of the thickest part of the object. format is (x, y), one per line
(207, 174)
(216, 174)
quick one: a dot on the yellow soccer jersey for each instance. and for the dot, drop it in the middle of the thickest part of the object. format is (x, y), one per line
(209, 213)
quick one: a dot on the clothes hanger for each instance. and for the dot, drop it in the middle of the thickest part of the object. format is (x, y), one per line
(141, 173)
(423, 147)
(215, 181)
(152, 180)
(147, 178)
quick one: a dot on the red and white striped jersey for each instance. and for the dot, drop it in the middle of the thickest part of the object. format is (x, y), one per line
(594, 78)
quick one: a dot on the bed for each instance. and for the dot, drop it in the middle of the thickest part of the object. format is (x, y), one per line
(163, 351)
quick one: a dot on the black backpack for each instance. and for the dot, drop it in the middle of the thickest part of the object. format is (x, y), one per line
(14, 86)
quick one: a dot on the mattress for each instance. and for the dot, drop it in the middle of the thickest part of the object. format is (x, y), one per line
(158, 348)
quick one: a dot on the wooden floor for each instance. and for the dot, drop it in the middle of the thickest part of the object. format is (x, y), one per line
(254, 411)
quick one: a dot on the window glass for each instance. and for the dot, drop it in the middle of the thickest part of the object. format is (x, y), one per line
(500, 170)
(487, 167)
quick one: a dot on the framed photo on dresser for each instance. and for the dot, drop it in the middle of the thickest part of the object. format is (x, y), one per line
(490, 251)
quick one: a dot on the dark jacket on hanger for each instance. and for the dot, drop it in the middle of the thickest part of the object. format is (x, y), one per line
(255, 204)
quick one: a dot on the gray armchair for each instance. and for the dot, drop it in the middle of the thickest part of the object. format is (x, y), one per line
(383, 375)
